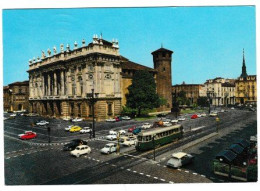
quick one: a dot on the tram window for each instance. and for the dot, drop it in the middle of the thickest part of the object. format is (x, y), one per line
(139, 138)
(149, 138)
(167, 133)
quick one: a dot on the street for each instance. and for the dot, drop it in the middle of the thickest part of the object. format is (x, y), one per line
(35, 162)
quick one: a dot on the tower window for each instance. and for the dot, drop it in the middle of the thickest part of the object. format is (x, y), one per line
(163, 54)
(164, 69)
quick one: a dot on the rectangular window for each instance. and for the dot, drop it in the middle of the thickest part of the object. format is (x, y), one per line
(109, 106)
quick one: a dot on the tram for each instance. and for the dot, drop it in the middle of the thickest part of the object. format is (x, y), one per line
(156, 137)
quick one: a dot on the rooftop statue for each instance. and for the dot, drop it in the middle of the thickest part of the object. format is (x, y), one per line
(68, 48)
(61, 47)
(54, 50)
(43, 54)
(75, 45)
(49, 52)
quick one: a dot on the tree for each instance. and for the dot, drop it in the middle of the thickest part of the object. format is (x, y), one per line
(142, 92)
(202, 101)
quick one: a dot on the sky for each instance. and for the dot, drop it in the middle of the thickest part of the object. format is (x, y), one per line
(207, 42)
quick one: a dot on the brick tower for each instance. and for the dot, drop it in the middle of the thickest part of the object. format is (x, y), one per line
(162, 59)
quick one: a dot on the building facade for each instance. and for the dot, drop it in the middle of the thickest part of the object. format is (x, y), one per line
(16, 96)
(246, 92)
(220, 91)
(61, 83)
(193, 91)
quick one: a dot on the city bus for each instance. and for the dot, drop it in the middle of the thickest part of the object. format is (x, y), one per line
(161, 136)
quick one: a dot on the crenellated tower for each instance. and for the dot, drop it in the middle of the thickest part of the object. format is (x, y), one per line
(162, 59)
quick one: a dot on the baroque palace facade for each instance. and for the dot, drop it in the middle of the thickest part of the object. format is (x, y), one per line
(59, 83)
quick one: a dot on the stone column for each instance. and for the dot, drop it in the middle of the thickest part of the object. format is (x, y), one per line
(62, 82)
(43, 91)
(55, 83)
(49, 84)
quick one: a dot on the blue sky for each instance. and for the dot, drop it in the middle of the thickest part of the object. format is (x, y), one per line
(207, 41)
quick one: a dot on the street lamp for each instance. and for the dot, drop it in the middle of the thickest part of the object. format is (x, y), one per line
(208, 96)
(92, 99)
(153, 148)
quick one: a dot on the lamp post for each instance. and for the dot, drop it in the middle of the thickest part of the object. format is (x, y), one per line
(208, 95)
(153, 148)
(92, 99)
(118, 144)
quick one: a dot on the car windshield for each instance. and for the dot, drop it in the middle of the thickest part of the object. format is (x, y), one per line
(77, 148)
(107, 146)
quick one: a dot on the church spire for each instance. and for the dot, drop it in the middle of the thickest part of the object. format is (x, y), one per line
(244, 74)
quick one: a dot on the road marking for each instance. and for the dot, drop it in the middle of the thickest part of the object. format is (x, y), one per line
(98, 160)
(93, 159)
(14, 156)
(155, 177)
(179, 169)
(122, 167)
(107, 163)
(134, 171)
(194, 173)
(186, 171)
(7, 158)
(162, 180)
(158, 164)
(171, 182)
(22, 154)
(164, 166)
(128, 169)
(113, 165)
(141, 173)
(148, 175)
(202, 175)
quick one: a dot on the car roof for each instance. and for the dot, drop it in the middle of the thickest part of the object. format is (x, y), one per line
(110, 144)
(179, 155)
(80, 146)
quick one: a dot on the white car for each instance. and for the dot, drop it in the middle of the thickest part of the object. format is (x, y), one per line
(112, 132)
(203, 115)
(174, 121)
(109, 148)
(181, 118)
(122, 132)
(232, 108)
(68, 128)
(126, 118)
(66, 118)
(199, 115)
(213, 114)
(42, 123)
(179, 159)
(146, 126)
(111, 137)
(77, 119)
(13, 115)
(81, 150)
(110, 120)
(167, 120)
(129, 141)
(166, 123)
(85, 130)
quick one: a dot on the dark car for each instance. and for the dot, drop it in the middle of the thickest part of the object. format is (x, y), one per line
(73, 144)
(137, 130)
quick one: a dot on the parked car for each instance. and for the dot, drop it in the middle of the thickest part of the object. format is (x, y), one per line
(179, 159)
(77, 119)
(199, 115)
(166, 123)
(146, 126)
(213, 114)
(118, 119)
(68, 128)
(111, 137)
(126, 118)
(73, 144)
(66, 118)
(137, 130)
(42, 123)
(167, 120)
(129, 141)
(13, 115)
(195, 116)
(75, 129)
(110, 120)
(174, 121)
(109, 148)
(112, 132)
(81, 150)
(181, 119)
(222, 110)
(122, 132)
(131, 129)
(203, 115)
(27, 135)
(123, 139)
(232, 108)
(85, 130)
